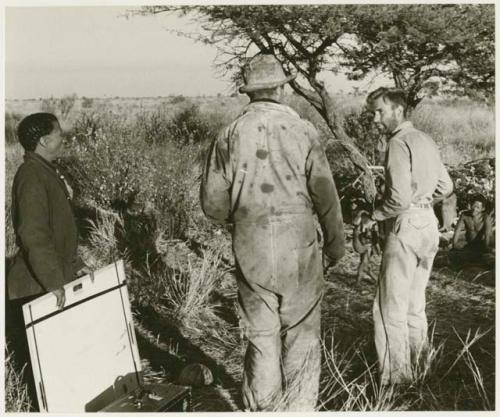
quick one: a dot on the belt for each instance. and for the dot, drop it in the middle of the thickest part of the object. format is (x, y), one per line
(421, 205)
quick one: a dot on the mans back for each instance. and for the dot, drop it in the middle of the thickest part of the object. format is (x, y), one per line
(270, 148)
(425, 163)
(415, 174)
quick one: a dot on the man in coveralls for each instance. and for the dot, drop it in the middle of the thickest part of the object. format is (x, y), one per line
(415, 179)
(267, 174)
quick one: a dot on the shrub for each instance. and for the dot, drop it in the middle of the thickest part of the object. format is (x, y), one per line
(152, 127)
(358, 124)
(59, 106)
(87, 102)
(11, 122)
(191, 126)
(178, 99)
(94, 124)
(115, 171)
(476, 177)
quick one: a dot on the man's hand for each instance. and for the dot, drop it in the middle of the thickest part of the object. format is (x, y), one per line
(85, 270)
(490, 218)
(328, 262)
(61, 297)
(364, 221)
(367, 223)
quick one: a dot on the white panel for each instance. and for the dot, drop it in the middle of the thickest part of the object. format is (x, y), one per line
(85, 356)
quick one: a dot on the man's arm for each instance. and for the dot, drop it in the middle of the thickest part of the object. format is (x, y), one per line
(489, 219)
(397, 197)
(326, 202)
(33, 229)
(216, 183)
(459, 231)
(444, 186)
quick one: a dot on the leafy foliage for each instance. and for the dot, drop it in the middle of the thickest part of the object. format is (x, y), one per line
(412, 44)
(475, 177)
(424, 46)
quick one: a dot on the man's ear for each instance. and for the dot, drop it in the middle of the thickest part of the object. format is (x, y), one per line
(401, 110)
(43, 141)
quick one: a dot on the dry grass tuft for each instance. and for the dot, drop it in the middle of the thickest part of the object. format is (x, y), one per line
(16, 392)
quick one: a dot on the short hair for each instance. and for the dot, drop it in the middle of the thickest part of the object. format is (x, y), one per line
(479, 197)
(34, 127)
(394, 95)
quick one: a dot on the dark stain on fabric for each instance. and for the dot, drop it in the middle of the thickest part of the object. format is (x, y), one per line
(288, 177)
(243, 211)
(261, 154)
(322, 186)
(283, 127)
(260, 128)
(245, 165)
(267, 188)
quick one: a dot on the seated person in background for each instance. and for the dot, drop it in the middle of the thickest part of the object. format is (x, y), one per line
(473, 240)
(366, 241)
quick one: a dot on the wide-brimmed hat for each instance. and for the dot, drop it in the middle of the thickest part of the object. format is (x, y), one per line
(264, 71)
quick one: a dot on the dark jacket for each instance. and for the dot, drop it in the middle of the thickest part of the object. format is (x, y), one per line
(45, 227)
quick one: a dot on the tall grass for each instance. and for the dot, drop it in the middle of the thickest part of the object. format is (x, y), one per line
(464, 130)
(345, 388)
(16, 392)
(185, 291)
(101, 247)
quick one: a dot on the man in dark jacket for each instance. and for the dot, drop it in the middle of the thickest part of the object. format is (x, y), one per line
(267, 174)
(44, 225)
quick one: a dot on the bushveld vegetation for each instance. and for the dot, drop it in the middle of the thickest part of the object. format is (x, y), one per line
(135, 172)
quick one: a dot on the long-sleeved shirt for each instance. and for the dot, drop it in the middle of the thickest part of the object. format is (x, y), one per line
(414, 172)
(270, 162)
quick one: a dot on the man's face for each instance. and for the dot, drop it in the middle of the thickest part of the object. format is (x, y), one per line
(477, 207)
(54, 141)
(387, 114)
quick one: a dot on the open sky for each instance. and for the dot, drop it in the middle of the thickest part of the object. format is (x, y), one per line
(96, 52)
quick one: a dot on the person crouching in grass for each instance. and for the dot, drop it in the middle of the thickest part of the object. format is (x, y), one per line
(474, 237)
(45, 229)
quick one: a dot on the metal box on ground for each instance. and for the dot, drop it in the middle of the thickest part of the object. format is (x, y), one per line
(85, 357)
(153, 398)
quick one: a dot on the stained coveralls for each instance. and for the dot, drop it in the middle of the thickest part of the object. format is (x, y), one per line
(415, 177)
(267, 174)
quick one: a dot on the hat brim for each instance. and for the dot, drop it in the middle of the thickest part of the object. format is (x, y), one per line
(248, 88)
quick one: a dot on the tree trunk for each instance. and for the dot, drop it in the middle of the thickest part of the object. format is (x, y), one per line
(331, 116)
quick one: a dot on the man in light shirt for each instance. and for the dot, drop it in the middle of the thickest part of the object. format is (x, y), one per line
(415, 179)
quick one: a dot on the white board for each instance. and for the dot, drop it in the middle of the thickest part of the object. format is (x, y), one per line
(84, 356)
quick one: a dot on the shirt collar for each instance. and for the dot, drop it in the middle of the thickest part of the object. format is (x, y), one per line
(267, 104)
(404, 125)
(52, 168)
(266, 100)
(36, 157)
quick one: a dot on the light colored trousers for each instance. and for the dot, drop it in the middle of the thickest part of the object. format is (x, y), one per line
(280, 287)
(399, 308)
